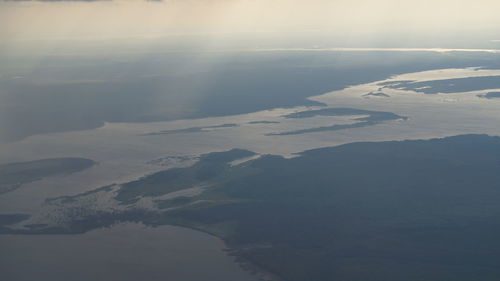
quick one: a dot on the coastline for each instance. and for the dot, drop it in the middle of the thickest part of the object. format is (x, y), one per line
(244, 263)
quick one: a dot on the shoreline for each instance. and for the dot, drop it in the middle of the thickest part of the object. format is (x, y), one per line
(248, 266)
(245, 264)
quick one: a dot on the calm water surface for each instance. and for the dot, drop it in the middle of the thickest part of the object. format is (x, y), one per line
(125, 252)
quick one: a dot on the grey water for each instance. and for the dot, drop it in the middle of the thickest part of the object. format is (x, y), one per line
(125, 252)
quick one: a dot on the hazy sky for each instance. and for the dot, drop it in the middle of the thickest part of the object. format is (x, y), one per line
(32, 20)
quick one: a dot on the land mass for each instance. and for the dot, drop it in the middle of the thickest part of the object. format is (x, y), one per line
(377, 94)
(14, 175)
(391, 211)
(369, 118)
(447, 85)
(192, 129)
(248, 82)
(490, 95)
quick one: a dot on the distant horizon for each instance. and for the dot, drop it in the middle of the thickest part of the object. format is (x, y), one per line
(358, 23)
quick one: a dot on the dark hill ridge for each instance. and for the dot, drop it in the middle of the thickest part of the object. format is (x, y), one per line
(370, 211)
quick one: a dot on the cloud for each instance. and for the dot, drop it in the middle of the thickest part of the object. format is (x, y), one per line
(53, 0)
(75, 0)
(346, 18)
